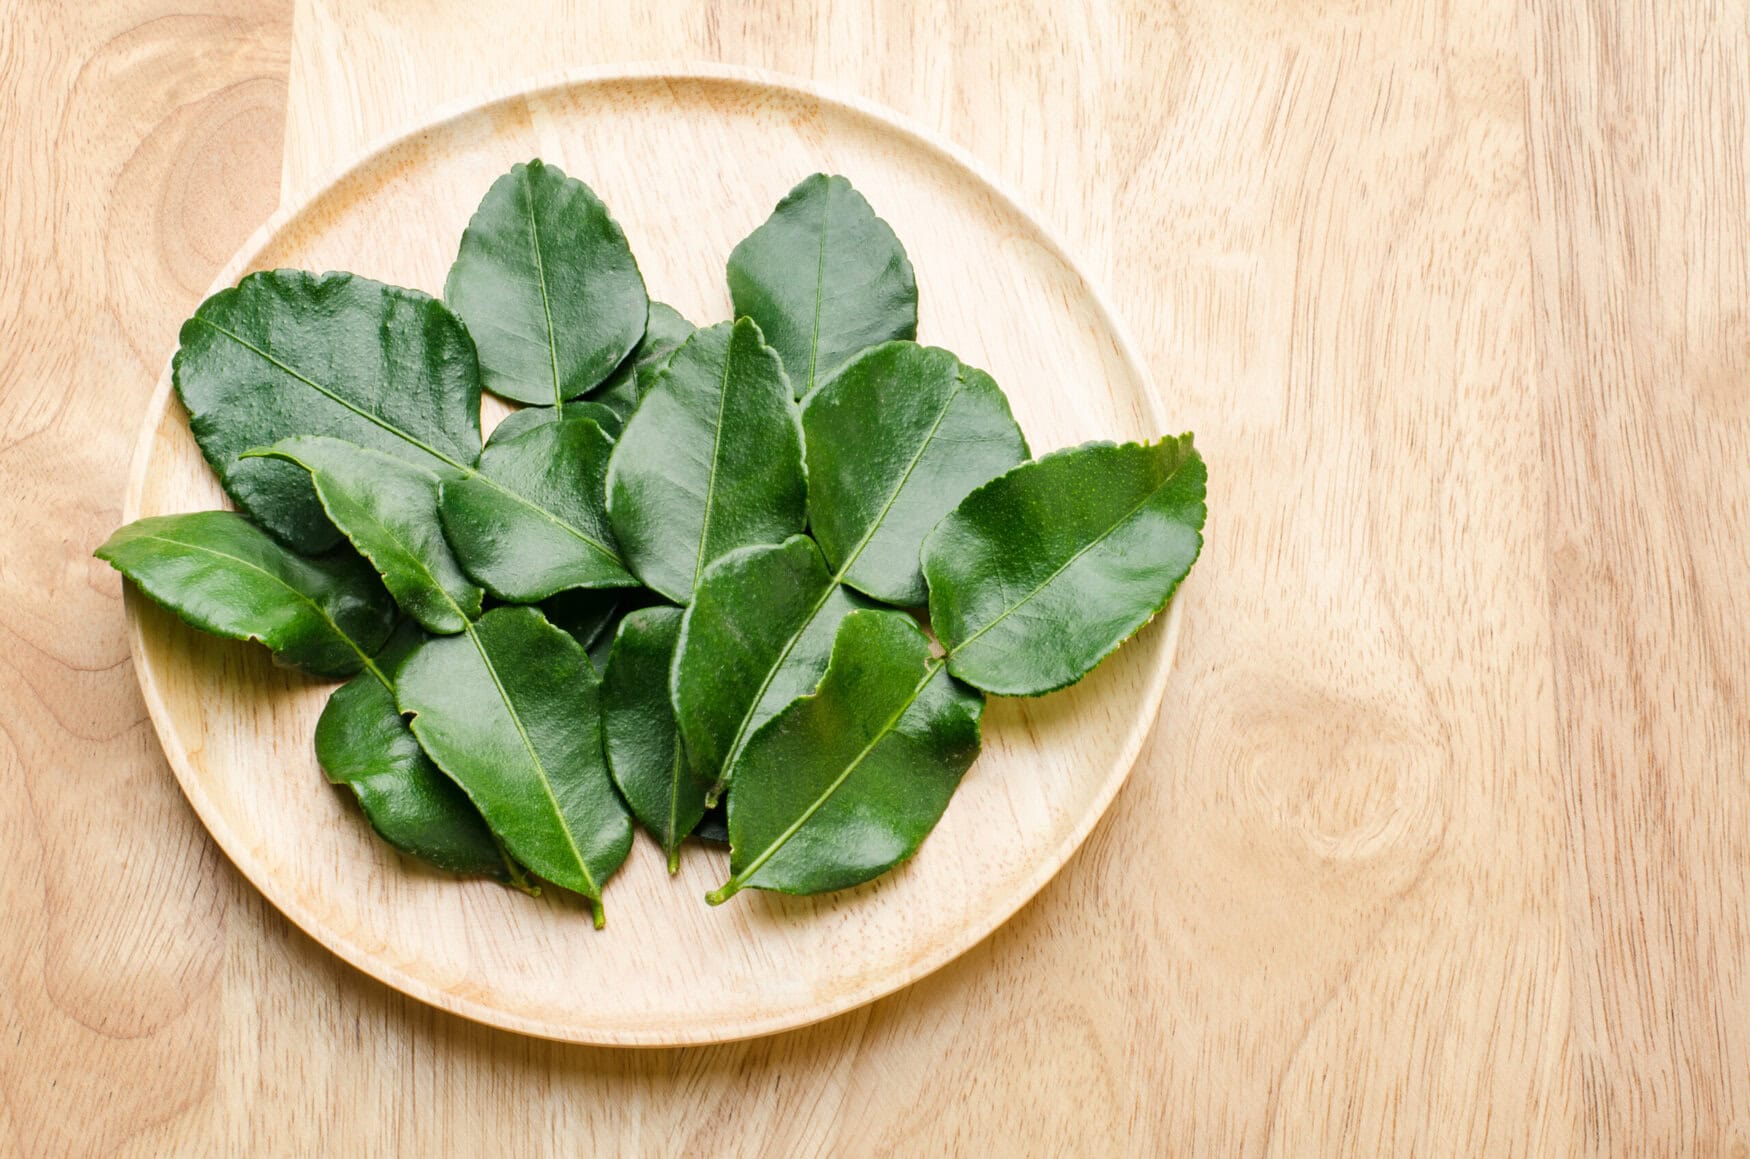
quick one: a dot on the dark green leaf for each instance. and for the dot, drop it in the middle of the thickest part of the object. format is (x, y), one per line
(824, 277)
(644, 747)
(845, 784)
(547, 284)
(1039, 574)
(711, 461)
(363, 743)
(288, 353)
(511, 711)
(757, 636)
(630, 381)
(599, 649)
(520, 422)
(387, 507)
(224, 575)
(894, 441)
(531, 522)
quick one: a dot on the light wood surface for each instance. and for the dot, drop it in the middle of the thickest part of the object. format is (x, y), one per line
(667, 970)
(1443, 844)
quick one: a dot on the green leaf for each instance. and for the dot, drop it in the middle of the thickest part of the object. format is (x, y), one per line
(511, 711)
(757, 635)
(845, 784)
(547, 284)
(644, 745)
(387, 508)
(894, 441)
(521, 422)
(363, 743)
(224, 575)
(711, 461)
(600, 648)
(288, 353)
(632, 379)
(531, 522)
(824, 277)
(1039, 574)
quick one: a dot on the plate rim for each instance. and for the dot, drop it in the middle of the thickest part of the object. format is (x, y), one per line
(881, 983)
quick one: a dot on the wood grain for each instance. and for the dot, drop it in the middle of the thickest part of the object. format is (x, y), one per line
(1644, 386)
(1440, 847)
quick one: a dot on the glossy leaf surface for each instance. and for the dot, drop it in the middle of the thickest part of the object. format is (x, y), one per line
(845, 784)
(532, 522)
(287, 353)
(521, 422)
(824, 277)
(511, 711)
(388, 508)
(643, 741)
(711, 461)
(757, 635)
(224, 575)
(894, 441)
(1039, 574)
(629, 382)
(362, 742)
(548, 286)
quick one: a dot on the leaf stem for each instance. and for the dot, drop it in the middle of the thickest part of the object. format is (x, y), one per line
(671, 839)
(518, 879)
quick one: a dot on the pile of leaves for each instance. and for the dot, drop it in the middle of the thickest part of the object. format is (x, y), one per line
(738, 526)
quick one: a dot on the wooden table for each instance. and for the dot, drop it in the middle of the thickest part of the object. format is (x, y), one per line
(1442, 845)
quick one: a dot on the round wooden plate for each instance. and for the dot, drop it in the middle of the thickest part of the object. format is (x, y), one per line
(689, 161)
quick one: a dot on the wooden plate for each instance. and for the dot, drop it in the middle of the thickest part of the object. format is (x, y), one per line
(689, 161)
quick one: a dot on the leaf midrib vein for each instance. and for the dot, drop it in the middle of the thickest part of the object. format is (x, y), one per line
(716, 452)
(541, 282)
(575, 532)
(740, 739)
(535, 759)
(255, 567)
(904, 478)
(464, 468)
(377, 420)
(838, 579)
(403, 545)
(931, 667)
(1066, 564)
(819, 286)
